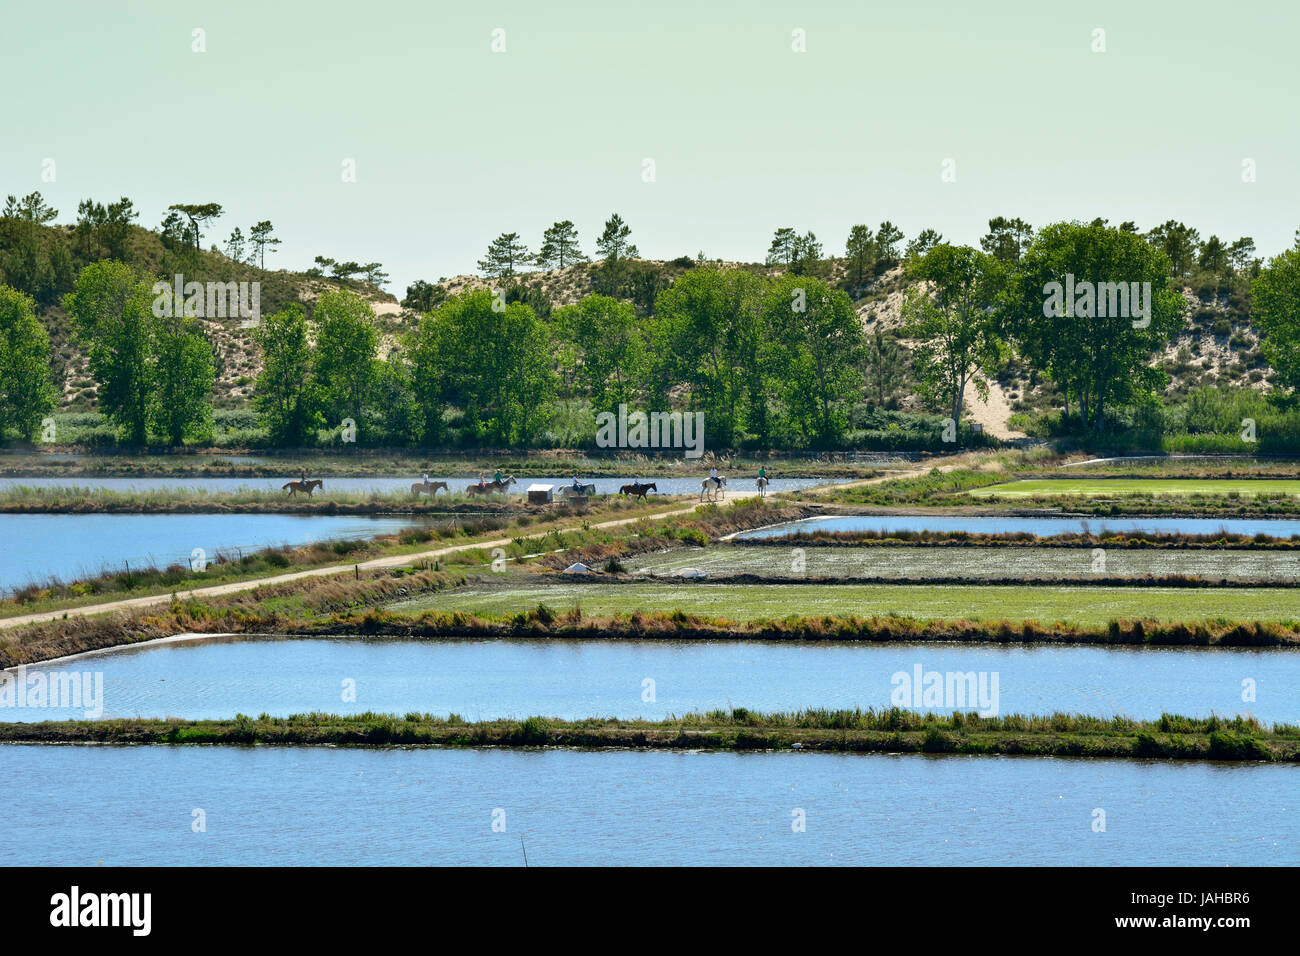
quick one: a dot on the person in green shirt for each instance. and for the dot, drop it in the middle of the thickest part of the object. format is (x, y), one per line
(497, 476)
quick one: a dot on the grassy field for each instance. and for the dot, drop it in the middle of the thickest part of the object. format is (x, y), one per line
(1076, 605)
(1104, 487)
(869, 731)
(885, 561)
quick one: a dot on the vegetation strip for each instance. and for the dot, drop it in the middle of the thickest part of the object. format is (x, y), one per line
(853, 731)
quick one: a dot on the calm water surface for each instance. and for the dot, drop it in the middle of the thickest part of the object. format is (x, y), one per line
(36, 548)
(485, 679)
(323, 806)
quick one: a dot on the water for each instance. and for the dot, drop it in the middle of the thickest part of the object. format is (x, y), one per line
(71, 546)
(339, 807)
(999, 524)
(488, 679)
(458, 484)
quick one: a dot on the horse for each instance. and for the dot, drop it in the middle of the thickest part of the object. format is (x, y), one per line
(637, 490)
(575, 491)
(308, 486)
(718, 483)
(490, 487)
(762, 486)
(429, 488)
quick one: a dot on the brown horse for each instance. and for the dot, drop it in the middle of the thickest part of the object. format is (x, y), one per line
(637, 490)
(491, 487)
(308, 486)
(429, 488)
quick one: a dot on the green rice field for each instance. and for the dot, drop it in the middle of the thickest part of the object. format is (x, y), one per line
(1103, 487)
(1079, 605)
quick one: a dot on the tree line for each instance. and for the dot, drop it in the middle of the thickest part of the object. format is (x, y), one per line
(776, 357)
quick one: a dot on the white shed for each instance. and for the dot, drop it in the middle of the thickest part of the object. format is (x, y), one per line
(540, 494)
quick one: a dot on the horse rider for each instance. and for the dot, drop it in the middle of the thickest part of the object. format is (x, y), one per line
(762, 471)
(481, 482)
(577, 486)
(496, 477)
(713, 475)
(426, 477)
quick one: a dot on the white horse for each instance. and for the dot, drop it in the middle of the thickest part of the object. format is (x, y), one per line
(762, 486)
(718, 484)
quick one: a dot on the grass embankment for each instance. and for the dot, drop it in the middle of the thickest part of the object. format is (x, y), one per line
(223, 568)
(78, 500)
(854, 731)
(1078, 606)
(1219, 540)
(1102, 487)
(320, 602)
(270, 463)
(979, 488)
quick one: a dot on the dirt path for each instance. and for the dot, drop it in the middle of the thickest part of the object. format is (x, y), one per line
(994, 413)
(399, 560)
(391, 561)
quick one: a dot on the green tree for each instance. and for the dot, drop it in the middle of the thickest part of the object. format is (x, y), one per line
(182, 374)
(199, 215)
(1179, 243)
(110, 307)
(781, 251)
(496, 365)
(236, 245)
(506, 256)
(708, 336)
(1275, 300)
(1099, 360)
(1214, 257)
(860, 250)
(560, 247)
(1241, 253)
(1007, 239)
(614, 242)
(925, 240)
(26, 388)
(115, 230)
(888, 236)
(423, 296)
(609, 349)
(394, 413)
(807, 255)
(33, 258)
(262, 236)
(347, 344)
(286, 394)
(884, 362)
(951, 316)
(812, 348)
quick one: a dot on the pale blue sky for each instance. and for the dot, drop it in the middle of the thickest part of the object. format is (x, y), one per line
(454, 143)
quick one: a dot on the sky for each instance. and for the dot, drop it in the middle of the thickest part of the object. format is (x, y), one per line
(454, 142)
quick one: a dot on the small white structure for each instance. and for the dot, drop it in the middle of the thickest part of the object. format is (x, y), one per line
(690, 573)
(578, 568)
(540, 494)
